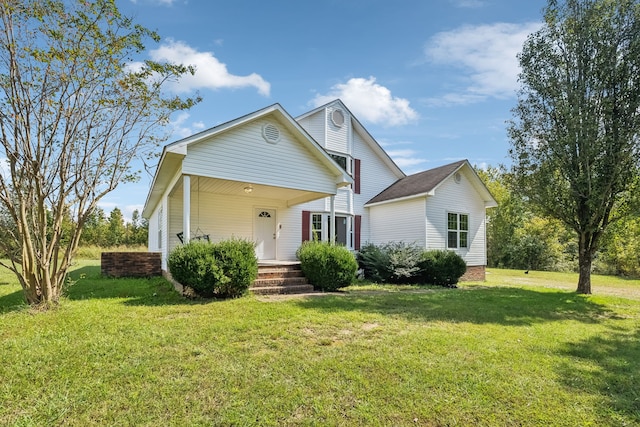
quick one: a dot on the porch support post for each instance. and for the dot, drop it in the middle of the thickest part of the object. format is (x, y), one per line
(332, 219)
(186, 208)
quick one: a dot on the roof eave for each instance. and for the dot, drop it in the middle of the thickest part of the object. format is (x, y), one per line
(400, 199)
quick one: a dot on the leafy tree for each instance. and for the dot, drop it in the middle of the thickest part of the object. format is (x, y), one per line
(575, 132)
(116, 231)
(137, 229)
(74, 112)
(504, 220)
(620, 252)
(516, 236)
(95, 228)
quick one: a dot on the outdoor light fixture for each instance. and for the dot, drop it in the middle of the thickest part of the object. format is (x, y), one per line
(248, 189)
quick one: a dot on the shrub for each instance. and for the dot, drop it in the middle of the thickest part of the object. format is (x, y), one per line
(225, 269)
(394, 262)
(237, 259)
(441, 267)
(374, 263)
(194, 265)
(328, 267)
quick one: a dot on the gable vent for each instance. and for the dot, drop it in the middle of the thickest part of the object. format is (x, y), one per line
(337, 117)
(271, 133)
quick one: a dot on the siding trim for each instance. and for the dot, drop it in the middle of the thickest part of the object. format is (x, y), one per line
(356, 176)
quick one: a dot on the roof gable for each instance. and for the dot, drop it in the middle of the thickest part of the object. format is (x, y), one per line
(425, 183)
(361, 130)
(174, 154)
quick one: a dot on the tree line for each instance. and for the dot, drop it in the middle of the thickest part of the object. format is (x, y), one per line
(520, 237)
(112, 230)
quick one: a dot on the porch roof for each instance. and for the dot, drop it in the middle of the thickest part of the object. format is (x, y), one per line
(171, 164)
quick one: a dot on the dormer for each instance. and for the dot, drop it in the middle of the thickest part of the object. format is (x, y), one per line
(331, 126)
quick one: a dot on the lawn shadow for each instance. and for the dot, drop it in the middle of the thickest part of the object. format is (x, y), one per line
(479, 305)
(617, 380)
(88, 283)
(12, 302)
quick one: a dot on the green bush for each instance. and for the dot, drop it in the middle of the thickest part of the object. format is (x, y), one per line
(237, 259)
(374, 262)
(194, 265)
(441, 267)
(225, 269)
(328, 267)
(394, 262)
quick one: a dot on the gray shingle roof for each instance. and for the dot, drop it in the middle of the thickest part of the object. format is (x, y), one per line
(419, 183)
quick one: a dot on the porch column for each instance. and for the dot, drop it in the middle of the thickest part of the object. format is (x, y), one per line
(186, 208)
(332, 219)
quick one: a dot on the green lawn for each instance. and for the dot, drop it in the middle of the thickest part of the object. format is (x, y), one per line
(516, 350)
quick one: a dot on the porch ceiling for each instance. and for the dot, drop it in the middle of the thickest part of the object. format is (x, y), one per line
(257, 191)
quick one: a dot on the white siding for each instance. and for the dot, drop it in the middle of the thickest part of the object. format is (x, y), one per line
(338, 138)
(314, 125)
(242, 154)
(375, 176)
(343, 200)
(402, 221)
(457, 198)
(223, 217)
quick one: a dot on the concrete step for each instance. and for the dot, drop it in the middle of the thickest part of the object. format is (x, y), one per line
(290, 289)
(280, 281)
(275, 273)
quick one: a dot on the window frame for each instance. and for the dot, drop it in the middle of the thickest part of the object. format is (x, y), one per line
(457, 231)
(348, 161)
(325, 227)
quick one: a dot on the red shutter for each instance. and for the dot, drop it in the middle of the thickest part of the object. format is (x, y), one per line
(357, 224)
(306, 225)
(356, 176)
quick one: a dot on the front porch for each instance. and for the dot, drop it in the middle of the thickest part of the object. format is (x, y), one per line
(216, 209)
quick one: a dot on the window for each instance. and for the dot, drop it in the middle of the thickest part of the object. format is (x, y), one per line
(316, 227)
(340, 160)
(319, 228)
(457, 230)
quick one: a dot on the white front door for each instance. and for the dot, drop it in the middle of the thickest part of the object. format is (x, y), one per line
(265, 233)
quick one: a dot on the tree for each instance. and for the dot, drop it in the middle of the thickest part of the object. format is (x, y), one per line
(504, 220)
(74, 112)
(116, 231)
(575, 133)
(138, 229)
(95, 228)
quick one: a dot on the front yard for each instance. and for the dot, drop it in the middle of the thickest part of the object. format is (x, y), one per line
(515, 350)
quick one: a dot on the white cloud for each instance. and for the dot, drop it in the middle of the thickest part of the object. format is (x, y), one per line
(181, 127)
(210, 72)
(487, 54)
(406, 158)
(370, 102)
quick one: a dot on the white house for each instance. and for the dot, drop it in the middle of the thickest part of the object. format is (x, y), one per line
(279, 181)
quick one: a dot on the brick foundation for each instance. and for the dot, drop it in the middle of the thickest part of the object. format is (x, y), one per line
(131, 264)
(474, 273)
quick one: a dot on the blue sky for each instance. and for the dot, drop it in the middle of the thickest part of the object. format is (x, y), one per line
(434, 81)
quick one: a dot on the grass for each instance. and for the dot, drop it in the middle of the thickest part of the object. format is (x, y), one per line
(514, 350)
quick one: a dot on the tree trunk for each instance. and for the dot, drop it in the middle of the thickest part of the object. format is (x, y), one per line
(584, 280)
(585, 259)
